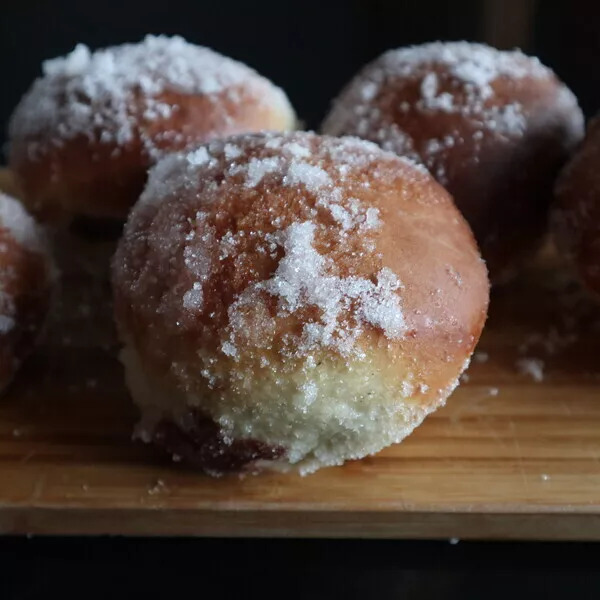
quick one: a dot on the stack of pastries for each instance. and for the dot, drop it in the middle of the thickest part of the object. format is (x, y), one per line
(284, 299)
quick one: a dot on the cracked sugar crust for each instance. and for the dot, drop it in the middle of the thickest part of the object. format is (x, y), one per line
(17, 224)
(292, 283)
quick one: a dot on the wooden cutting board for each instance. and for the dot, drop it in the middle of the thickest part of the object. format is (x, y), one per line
(509, 457)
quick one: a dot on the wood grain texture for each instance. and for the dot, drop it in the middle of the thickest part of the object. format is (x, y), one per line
(507, 458)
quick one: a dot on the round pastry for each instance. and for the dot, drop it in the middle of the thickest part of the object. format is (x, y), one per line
(293, 300)
(492, 127)
(576, 213)
(26, 281)
(83, 137)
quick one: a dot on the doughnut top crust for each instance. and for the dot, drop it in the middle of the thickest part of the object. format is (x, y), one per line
(106, 94)
(83, 137)
(277, 247)
(19, 226)
(26, 279)
(458, 80)
(493, 127)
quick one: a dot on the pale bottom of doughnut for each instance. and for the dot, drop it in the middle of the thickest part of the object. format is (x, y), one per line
(353, 411)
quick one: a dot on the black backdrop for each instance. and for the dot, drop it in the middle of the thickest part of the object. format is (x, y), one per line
(310, 48)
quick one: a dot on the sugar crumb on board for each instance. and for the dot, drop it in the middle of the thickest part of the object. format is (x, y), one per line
(533, 367)
(480, 357)
(158, 487)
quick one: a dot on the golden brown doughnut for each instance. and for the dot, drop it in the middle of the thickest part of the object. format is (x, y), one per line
(26, 282)
(493, 127)
(84, 135)
(576, 213)
(293, 300)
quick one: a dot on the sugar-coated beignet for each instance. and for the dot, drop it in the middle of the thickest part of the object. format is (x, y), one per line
(493, 127)
(293, 300)
(83, 137)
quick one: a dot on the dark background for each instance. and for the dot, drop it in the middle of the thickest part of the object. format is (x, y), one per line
(188, 569)
(310, 48)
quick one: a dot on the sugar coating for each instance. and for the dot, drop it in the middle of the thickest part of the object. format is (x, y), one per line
(303, 278)
(20, 225)
(7, 322)
(256, 170)
(313, 177)
(301, 281)
(263, 250)
(104, 95)
(455, 78)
